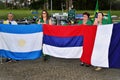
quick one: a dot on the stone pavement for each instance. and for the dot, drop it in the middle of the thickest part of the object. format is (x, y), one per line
(54, 69)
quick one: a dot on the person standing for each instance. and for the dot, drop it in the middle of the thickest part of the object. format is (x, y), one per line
(45, 19)
(100, 21)
(10, 19)
(86, 19)
(71, 15)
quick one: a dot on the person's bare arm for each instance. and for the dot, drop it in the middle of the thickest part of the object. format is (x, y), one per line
(50, 22)
(95, 22)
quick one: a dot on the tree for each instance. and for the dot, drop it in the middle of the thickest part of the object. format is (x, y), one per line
(67, 4)
(46, 4)
(115, 4)
(36, 4)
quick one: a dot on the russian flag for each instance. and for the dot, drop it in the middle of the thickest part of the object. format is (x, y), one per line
(103, 49)
(63, 41)
(21, 42)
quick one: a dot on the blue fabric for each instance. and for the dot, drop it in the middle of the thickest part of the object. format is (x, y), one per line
(21, 56)
(114, 49)
(63, 42)
(20, 29)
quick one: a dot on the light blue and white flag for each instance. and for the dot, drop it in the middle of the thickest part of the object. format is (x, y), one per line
(21, 42)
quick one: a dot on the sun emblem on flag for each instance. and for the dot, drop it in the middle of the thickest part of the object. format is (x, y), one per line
(21, 42)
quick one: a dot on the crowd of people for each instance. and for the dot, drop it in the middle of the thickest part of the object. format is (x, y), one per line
(45, 19)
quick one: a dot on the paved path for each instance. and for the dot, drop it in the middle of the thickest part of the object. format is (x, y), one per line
(54, 69)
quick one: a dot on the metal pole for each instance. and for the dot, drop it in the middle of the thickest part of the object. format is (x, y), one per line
(51, 6)
(72, 2)
(62, 7)
(1, 59)
(110, 4)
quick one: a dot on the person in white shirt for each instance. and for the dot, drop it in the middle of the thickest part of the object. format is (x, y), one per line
(10, 19)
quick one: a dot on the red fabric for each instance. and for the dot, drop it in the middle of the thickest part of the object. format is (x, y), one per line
(63, 31)
(89, 33)
(88, 44)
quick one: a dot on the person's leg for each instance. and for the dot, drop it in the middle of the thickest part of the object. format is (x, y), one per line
(98, 69)
(8, 60)
(87, 65)
(46, 57)
(81, 63)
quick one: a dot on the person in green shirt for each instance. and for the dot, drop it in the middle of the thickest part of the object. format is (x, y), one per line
(71, 16)
(86, 20)
(44, 18)
(100, 19)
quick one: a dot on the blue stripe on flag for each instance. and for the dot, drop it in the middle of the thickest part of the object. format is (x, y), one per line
(21, 29)
(63, 42)
(114, 49)
(21, 56)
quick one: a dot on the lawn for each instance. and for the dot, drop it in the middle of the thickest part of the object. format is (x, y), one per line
(28, 13)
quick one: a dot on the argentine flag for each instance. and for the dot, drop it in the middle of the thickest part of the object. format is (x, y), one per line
(21, 42)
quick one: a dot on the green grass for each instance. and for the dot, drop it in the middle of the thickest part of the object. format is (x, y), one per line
(27, 13)
(17, 13)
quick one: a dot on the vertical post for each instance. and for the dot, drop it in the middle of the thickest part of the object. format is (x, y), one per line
(47, 5)
(110, 4)
(70, 3)
(6, 1)
(1, 58)
(62, 7)
(67, 5)
(51, 6)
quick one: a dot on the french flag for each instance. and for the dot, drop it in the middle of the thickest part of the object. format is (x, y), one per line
(63, 41)
(102, 46)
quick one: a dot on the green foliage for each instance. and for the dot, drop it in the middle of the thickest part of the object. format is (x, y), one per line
(2, 6)
(37, 4)
(109, 18)
(28, 13)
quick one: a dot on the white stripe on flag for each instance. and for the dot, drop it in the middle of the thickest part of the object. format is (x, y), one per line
(63, 52)
(101, 46)
(21, 42)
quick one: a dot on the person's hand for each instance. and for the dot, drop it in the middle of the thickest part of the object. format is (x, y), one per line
(38, 22)
(95, 22)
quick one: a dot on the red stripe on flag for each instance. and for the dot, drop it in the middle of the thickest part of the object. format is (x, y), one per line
(63, 31)
(88, 44)
(89, 33)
